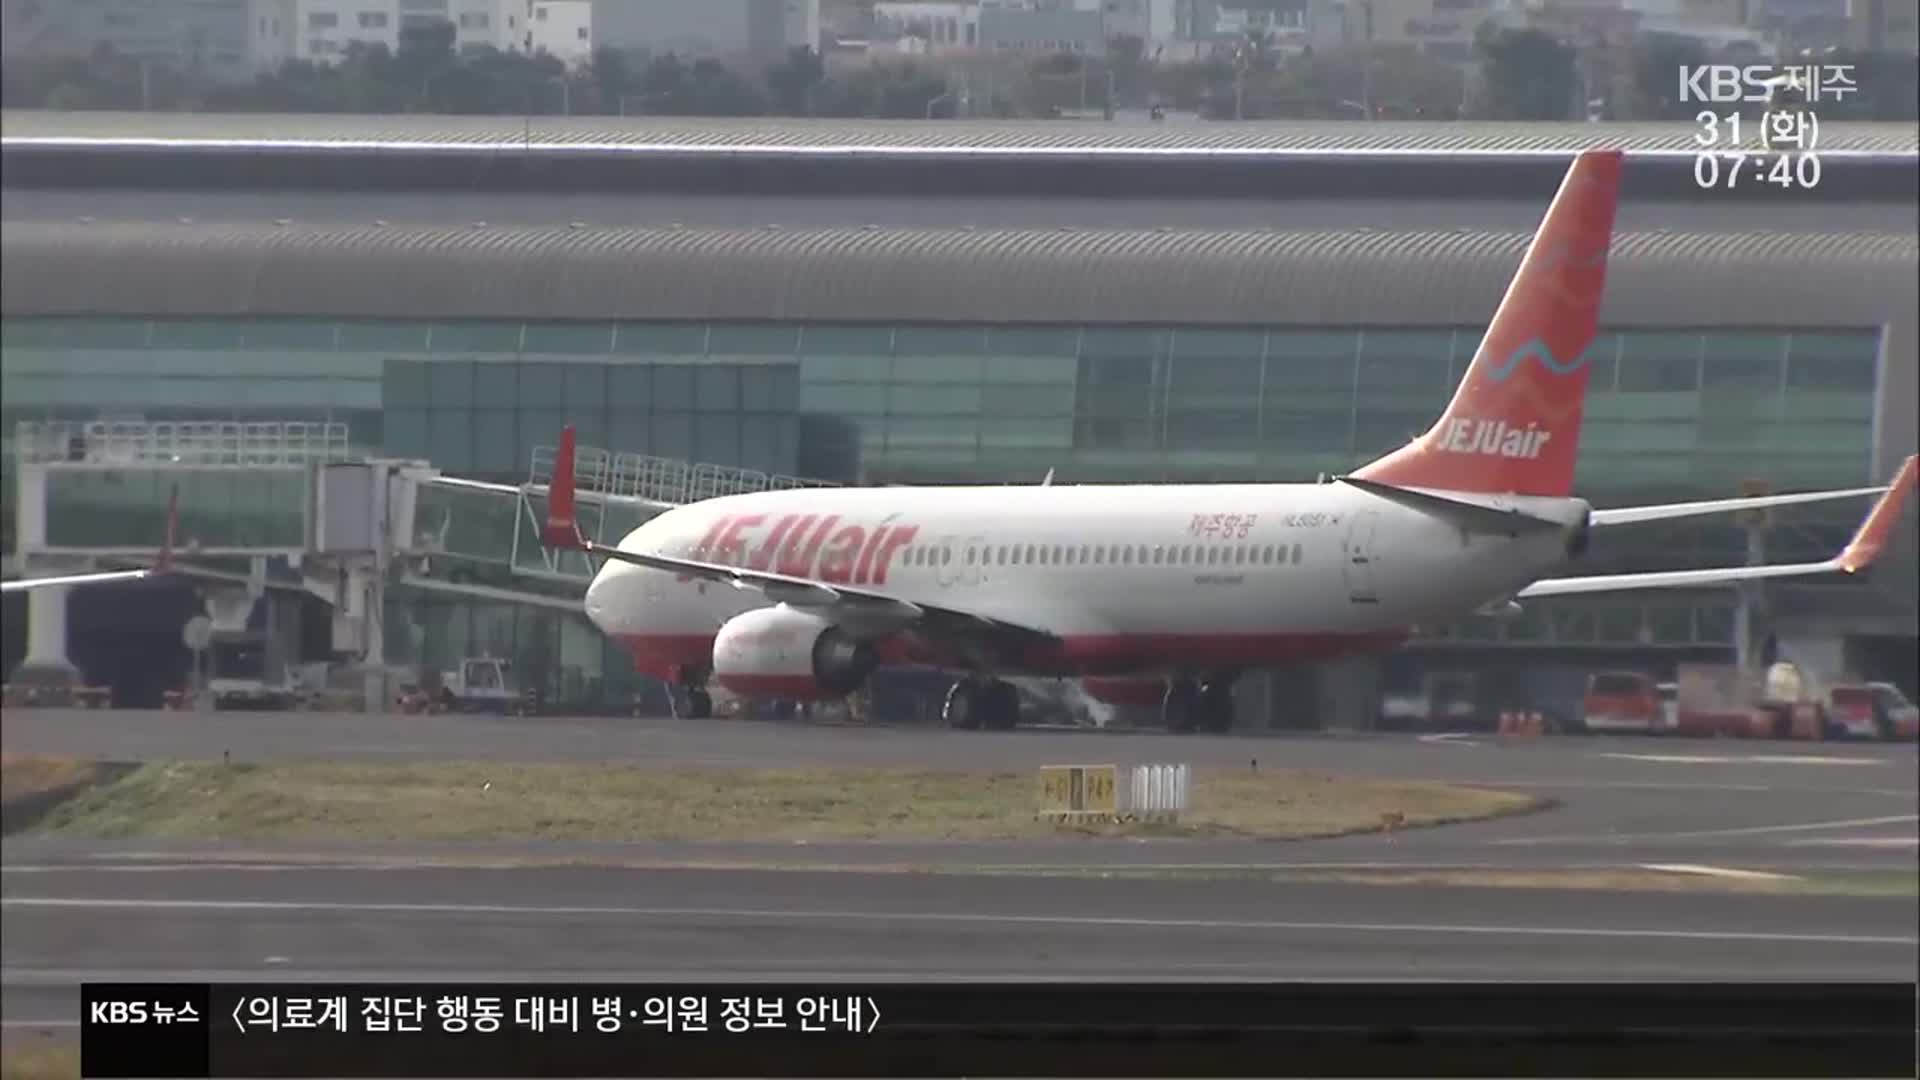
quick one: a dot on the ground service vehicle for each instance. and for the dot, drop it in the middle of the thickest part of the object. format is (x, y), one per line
(1623, 701)
(1875, 710)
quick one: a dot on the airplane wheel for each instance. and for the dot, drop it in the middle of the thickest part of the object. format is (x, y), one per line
(1180, 707)
(1216, 708)
(1003, 713)
(699, 704)
(962, 708)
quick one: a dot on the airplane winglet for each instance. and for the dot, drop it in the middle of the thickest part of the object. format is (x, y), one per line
(1874, 532)
(563, 522)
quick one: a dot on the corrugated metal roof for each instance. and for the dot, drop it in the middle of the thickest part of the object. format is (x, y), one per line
(992, 275)
(921, 210)
(795, 135)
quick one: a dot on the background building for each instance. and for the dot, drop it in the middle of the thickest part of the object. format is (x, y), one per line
(562, 29)
(916, 335)
(762, 30)
(207, 35)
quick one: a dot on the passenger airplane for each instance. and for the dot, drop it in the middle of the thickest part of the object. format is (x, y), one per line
(161, 565)
(1165, 590)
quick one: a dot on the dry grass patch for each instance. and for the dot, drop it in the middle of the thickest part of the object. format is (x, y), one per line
(493, 800)
(25, 775)
(40, 1061)
(32, 785)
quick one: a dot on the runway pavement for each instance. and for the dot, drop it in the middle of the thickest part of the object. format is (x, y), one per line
(66, 926)
(75, 911)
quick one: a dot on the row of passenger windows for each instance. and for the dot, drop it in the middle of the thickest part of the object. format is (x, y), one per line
(1108, 554)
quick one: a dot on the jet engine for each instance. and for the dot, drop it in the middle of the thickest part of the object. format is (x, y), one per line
(783, 652)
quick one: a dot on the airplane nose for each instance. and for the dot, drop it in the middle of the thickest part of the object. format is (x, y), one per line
(599, 600)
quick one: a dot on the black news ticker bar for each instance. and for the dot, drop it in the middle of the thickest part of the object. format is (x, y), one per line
(353, 1030)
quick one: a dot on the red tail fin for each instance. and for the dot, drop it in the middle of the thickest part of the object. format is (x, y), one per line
(563, 524)
(165, 562)
(1514, 423)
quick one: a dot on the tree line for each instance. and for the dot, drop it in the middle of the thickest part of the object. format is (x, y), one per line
(1517, 75)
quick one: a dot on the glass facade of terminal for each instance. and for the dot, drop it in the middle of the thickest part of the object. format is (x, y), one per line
(1669, 411)
(1671, 414)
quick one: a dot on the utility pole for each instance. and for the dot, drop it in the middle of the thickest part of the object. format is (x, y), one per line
(1750, 598)
(1366, 60)
(1106, 56)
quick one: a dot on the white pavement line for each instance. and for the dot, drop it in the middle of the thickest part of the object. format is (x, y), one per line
(1858, 841)
(949, 917)
(1718, 871)
(750, 864)
(1451, 738)
(1746, 759)
(1752, 830)
(1632, 785)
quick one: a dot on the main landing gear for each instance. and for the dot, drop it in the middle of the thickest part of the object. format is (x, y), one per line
(1191, 706)
(977, 703)
(699, 702)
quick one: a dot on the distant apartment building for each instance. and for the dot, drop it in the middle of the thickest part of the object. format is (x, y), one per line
(562, 29)
(929, 26)
(208, 36)
(1042, 30)
(948, 27)
(1884, 25)
(1444, 29)
(322, 31)
(1788, 25)
(760, 30)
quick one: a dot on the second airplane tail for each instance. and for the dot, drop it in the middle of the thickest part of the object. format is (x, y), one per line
(1513, 426)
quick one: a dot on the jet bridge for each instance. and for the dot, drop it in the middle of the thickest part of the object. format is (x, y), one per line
(277, 508)
(499, 524)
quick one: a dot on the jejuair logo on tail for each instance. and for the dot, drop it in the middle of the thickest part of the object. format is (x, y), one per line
(1536, 350)
(1464, 435)
(1501, 438)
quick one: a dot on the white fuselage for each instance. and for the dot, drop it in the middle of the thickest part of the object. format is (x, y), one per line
(1135, 578)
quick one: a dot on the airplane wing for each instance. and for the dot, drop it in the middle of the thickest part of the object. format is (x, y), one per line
(162, 565)
(1859, 553)
(1634, 515)
(23, 584)
(841, 602)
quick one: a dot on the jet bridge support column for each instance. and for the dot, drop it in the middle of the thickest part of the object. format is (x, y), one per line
(364, 518)
(376, 681)
(46, 662)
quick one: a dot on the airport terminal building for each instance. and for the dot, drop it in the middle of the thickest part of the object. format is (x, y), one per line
(868, 326)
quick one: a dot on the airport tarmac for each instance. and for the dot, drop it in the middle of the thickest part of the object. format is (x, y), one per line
(82, 910)
(297, 923)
